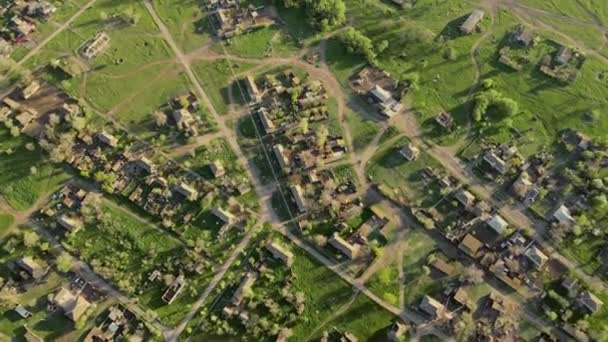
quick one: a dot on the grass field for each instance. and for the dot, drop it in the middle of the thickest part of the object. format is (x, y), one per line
(188, 25)
(385, 283)
(216, 77)
(360, 315)
(264, 42)
(18, 184)
(390, 168)
(363, 130)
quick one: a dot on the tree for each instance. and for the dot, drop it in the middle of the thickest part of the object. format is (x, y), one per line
(321, 136)
(383, 45)
(326, 14)
(356, 41)
(64, 262)
(160, 118)
(31, 239)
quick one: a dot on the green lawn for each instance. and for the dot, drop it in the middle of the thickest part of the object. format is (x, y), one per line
(363, 130)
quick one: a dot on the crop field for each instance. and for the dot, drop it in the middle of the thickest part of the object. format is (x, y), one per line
(390, 168)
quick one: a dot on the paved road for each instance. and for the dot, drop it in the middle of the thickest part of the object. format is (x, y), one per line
(60, 29)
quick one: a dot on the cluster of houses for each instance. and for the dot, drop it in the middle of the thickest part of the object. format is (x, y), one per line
(22, 16)
(119, 323)
(231, 18)
(380, 88)
(564, 65)
(237, 304)
(183, 110)
(14, 113)
(162, 190)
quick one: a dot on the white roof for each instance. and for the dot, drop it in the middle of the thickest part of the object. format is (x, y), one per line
(381, 94)
(498, 224)
(536, 256)
(562, 215)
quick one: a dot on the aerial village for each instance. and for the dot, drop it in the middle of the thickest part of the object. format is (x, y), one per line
(138, 244)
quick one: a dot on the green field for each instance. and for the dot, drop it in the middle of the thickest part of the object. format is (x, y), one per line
(359, 315)
(188, 25)
(217, 77)
(6, 222)
(25, 175)
(390, 168)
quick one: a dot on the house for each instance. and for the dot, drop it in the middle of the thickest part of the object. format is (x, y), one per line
(252, 89)
(70, 222)
(146, 165)
(498, 224)
(570, 285)
(496, 162)
(389, 106)
(224, 215)
(523, 36)
(445, 120)
(461, 297)
(23, 312)
(266, 122)
(464, 197)
(217, 169)
(470, 24)
(280, 253)
(433, 308)
(589, 301)
(298, 196)
(343, 246)
(32, 267)
(279, 153)
(73, 306)
(107, 138)
(183, 118)
(563, 56)
(443, 267)
(40, 8)
(96, 45)
(244, 287)
(562, 216)
(536, 256)
(174, 289)
(22, 27)
(30, 90)
(410, 152)
(470, 245)
(186, 190)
